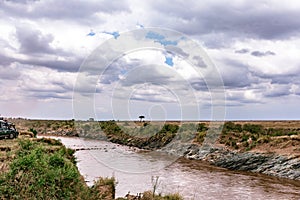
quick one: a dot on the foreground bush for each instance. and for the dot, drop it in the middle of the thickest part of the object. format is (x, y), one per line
(47, 171)
(148, 195)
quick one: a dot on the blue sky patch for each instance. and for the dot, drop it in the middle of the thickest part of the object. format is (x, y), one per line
(167, 42)
(160, 39)
(155, 36)
(92, 33)
(116, 34)
(169, 61)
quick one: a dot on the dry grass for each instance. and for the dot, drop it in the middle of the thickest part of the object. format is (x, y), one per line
(293, 124)
(283, 144)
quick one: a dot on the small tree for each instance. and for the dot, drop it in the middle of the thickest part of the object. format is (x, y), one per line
(141, 117)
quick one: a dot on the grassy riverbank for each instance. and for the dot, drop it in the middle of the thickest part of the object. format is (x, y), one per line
(45, 169)
(269, 147)
(280, 137)
(42, 168)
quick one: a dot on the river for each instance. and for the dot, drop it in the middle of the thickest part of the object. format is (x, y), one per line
(136, 171)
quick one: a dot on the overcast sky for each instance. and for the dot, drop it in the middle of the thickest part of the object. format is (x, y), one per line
(254, 46)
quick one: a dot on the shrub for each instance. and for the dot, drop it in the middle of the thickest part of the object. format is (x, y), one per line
(200, 137)
(32, 130)
(244, 138)
(104, 188)
(201, 127)
(148, 195)
(36, 173)
(230, 126)
(253, 128)
(264, 139)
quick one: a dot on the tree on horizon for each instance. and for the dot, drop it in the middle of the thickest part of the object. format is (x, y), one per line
(141, 117)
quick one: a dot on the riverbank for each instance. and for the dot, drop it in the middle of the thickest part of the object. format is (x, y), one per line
(136, 171)
(267, 147)
(282, 166)
(43, 168)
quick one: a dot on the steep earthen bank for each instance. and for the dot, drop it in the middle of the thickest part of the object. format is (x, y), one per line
(241, 146)
(266, 163)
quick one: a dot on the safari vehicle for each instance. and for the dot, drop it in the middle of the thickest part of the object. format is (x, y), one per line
(8, 130)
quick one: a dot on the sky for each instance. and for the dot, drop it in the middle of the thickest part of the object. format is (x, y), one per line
(185, 60)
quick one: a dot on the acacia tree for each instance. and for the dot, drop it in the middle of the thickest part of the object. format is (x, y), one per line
(141, 117)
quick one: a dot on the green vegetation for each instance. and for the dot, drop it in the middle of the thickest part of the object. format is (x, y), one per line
(44, 169)
(151, 195)
(148, 195)
(33, 131)
(248, 136)
(242, 136)
(146, 137)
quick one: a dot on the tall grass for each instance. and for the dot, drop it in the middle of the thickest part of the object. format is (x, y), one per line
(41, 171)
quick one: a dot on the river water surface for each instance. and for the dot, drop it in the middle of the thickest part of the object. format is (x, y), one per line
(136, 172)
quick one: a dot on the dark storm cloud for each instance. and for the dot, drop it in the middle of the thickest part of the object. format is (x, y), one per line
(238, 99)
(284, 78)
(142, 75)
(236, 74)
(262, 54)
(278, 90)
(32, 41)
(199, 62)
(49, 95)
(119, 67)
(199, 85)
(35, 49)
(238, 20)
(9, 73)
(70, 65)
(5, 60)
(255, 53)
(75, 10)
(242, 51)
(176, 51)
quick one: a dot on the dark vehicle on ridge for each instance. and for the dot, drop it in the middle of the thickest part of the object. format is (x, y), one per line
(8, 130)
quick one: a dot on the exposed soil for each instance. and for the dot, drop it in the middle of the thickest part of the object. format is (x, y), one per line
(282, 144)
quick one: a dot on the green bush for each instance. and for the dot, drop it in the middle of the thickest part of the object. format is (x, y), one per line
(253, 128)
(201, 127)
(33, 131)
(38, 172)
(148, 195)
(230, 126)
(200, 137)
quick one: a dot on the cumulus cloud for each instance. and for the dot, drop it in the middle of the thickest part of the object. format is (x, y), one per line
(235, 19)
(277, 90)
(33, 41)
(253, 44)
(115, 34)
(72, 10)
(255, 53)
(36, 48)
(261, 54)
(10, 72)
(242, 51)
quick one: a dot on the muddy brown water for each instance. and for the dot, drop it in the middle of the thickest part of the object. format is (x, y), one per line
(136, 172)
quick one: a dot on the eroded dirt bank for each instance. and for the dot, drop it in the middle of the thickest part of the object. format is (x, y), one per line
(269, 147)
